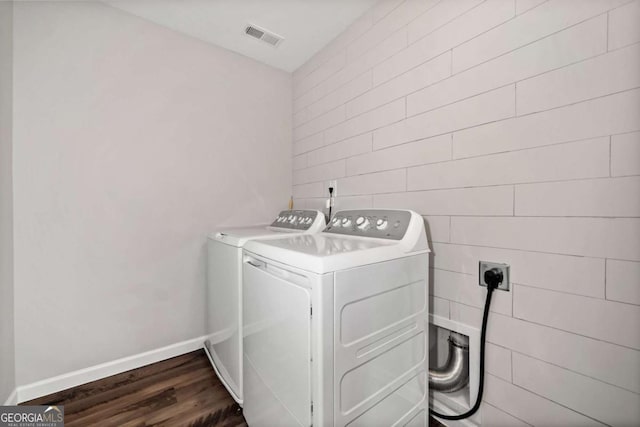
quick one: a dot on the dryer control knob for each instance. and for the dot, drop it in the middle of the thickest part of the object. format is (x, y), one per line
(346, 222)
(362, 222)
(381, 224)
(336, 222)
(292, 219)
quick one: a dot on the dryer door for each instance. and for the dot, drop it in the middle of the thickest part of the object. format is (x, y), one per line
(277, 346)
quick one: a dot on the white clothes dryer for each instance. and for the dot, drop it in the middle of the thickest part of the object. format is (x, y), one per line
(335, 324)
(224, 289)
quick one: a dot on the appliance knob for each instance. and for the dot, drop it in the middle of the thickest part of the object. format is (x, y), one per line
(292, 219)
(362, 222)
(336, 221)
(381, 224)
(346, 222)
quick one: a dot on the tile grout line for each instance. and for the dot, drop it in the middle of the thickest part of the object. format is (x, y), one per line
(610, 139)
(519, 352)
(607, 35)
(605, 279)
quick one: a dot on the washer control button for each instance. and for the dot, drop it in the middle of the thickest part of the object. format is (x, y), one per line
(346, 222)
(381, 224)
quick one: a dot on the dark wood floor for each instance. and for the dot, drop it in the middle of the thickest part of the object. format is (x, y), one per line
(182, 391)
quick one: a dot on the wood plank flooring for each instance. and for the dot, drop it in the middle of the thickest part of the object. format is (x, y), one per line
(182, 391)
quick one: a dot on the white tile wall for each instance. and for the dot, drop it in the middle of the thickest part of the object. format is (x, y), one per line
(605, 116)
(528, 406)
(591, 317)
(608, 197)
(573, 44)
(430, 150)
(308, 144)
(340, 150)
(374, 183)
(366, 122)
(442, 13)
(439, 307)
(487, 107)
(317, 173)
(423, 75)
(560, 163)
(496, 200)
(540, 22)
(524, 5)
(494, 417)
(623, 25)
(625, 152)
(591, 237)
(438, 227)
(350, 90)
(595, 399)
(623, 282)
(513, 127)
(560, 348)
(498, 361)
(464, 27)
(581, 81)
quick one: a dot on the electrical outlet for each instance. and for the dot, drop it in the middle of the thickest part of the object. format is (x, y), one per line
(504, 268)
(333, 183)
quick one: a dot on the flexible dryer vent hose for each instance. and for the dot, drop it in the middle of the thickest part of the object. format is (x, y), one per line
(454, 374)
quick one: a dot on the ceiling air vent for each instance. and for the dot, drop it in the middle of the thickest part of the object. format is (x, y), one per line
(264, 35)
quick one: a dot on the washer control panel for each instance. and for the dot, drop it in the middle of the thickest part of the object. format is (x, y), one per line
(378, 223)
(296, 220)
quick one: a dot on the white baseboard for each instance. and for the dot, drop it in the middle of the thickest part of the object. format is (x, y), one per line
(12, 399)
(83, 376)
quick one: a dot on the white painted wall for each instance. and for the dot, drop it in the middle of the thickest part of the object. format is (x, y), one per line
(7, 366)
(131, 143)
(514, 128)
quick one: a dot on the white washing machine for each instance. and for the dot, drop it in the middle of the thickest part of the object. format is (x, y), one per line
(224, 289)
(335, 324)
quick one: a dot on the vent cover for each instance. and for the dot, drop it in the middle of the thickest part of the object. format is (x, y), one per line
(261, 34)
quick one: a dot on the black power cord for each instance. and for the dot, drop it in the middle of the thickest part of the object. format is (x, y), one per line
(492, 278)
(330, 203)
